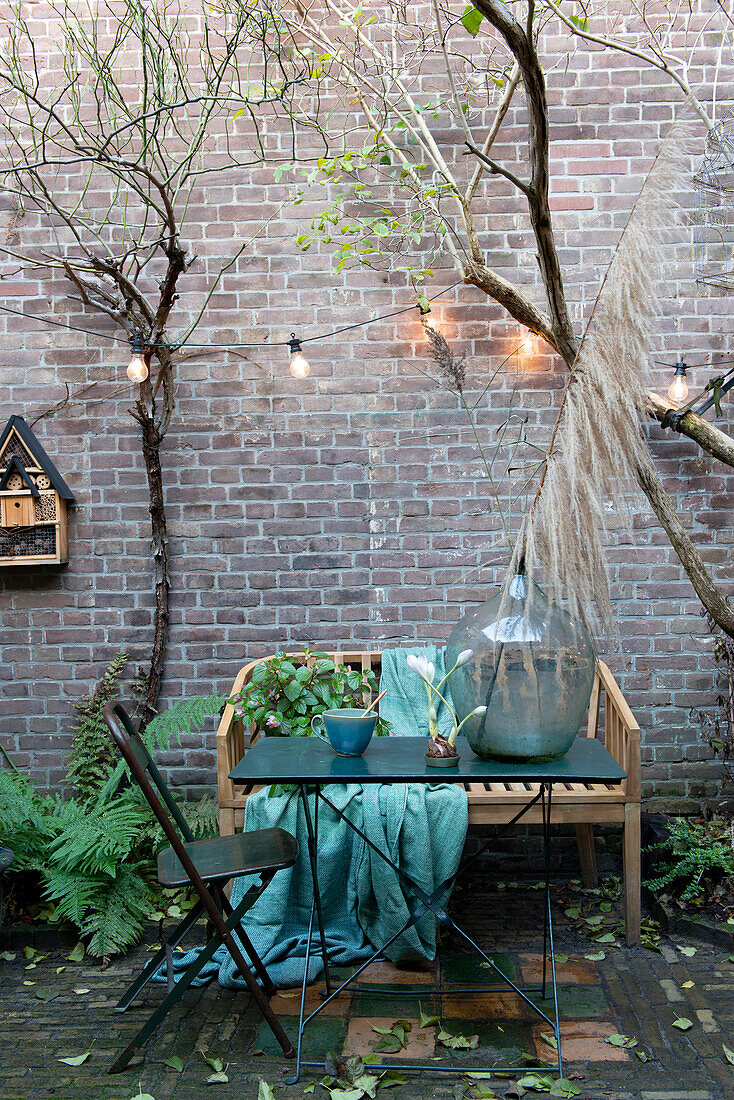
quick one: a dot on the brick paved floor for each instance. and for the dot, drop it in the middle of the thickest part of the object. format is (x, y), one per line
(636, 992)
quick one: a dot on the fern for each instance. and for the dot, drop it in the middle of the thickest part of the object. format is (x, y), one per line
(116, 916)
(696, 859)
(186, 717)
(93, 754)
(98, 839)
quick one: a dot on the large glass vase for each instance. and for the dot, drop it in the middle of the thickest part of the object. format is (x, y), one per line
(533, 669)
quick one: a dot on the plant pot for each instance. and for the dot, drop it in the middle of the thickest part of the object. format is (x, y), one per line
(442, 761)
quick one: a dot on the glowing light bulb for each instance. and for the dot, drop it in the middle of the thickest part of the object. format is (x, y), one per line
(299, 364)
(137, 370)
(526, 347)
(678, 388)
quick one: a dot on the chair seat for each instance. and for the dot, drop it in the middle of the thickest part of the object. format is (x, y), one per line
(226, 857)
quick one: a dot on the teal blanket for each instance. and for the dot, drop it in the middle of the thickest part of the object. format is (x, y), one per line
(421, 827)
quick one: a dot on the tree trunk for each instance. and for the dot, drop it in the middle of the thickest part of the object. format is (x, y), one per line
(152, 437)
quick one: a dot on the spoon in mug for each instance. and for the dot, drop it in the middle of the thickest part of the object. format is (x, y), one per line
(373, 704)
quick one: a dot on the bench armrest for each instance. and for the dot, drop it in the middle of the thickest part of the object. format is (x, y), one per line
(621, 731)
(231, 740)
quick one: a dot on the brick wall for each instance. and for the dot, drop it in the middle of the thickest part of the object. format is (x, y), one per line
(350, 508)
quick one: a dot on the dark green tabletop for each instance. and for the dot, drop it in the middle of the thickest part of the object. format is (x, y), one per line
(401, 760)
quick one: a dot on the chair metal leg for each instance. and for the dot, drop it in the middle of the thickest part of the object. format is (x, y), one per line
(223, 934)
(152, 968)
(268, 984)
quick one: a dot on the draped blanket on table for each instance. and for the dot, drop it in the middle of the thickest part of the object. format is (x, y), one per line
(420, 826)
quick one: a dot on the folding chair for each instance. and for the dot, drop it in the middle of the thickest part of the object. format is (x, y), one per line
(207, 865)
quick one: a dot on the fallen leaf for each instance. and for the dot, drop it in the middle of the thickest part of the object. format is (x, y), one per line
(309, 1088)
(60, 969)
(77, 953)
(561, 959)
(688, 985)
(549, 1040)
(682, 1023)
(593, 921)
(264, 1091)
(174, 1062)
(597, 956)
(387, 1044)
(572, 913)
(47, 994)
(605, 906)
(8, 956)
(289, 993)
(368, 1083)
(728, 1054)
(216, 1063)
(687, 951)
(425, 1019)
(563, 1087)
(29, 952)
(76, 1060)
(642, 1056)
(258, 1050)
(26, 982)
(391, 1078)
(79, 990)
(607, 937)
(219, 1078)
(458, 1042)
(618, 1040)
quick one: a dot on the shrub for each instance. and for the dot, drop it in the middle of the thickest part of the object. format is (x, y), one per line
(697, 858)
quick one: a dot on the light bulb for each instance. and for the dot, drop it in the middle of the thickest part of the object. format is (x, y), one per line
(678, 388)
(299, 364)
(137, 370)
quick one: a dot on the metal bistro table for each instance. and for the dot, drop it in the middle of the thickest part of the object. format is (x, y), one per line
(312, 766)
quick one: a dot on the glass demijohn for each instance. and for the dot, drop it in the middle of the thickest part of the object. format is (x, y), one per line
(533, 668)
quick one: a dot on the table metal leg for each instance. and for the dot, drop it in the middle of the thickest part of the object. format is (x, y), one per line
(312, 830)
(421, 903)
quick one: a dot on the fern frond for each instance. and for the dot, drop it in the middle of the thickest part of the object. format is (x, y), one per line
(120, 907)
(97, 840)
(183, 718)
(93, 754)
(73, 893)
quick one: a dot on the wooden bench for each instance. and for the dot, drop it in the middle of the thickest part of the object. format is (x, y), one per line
(580, 804)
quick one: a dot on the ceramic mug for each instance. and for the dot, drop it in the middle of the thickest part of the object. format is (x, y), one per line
(348, 731)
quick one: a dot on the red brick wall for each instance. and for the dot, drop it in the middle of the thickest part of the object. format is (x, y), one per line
(350, 508)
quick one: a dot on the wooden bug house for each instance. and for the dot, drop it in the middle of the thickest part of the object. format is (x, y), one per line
(33, 500)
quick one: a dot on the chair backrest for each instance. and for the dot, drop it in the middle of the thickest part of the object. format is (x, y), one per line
(143, 770)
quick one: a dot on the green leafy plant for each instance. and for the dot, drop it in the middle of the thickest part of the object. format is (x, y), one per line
(93, 753)
(286, 692)
(699, 856)
(95, 853)
(188, 716)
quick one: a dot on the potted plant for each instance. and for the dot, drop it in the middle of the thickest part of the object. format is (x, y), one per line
(286, 692)
(441, 750)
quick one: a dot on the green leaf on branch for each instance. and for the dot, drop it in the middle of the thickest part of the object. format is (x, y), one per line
(472, 20)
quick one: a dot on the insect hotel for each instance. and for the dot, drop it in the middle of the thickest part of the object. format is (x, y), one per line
(33, 500)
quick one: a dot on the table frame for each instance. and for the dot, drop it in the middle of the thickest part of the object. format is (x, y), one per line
(420, 902)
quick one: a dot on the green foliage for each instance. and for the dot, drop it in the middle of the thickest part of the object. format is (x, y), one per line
(95, 853)
(698, 857)
(93, 752)
(186, 717)
(285, 693)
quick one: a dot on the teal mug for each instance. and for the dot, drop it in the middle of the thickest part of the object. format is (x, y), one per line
(348, 731)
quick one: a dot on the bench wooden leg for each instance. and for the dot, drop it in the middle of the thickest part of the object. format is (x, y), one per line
(587, 855)
(632, 871)
(226, 822)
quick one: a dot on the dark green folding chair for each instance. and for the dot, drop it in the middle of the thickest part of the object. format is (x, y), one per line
(207, 865)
